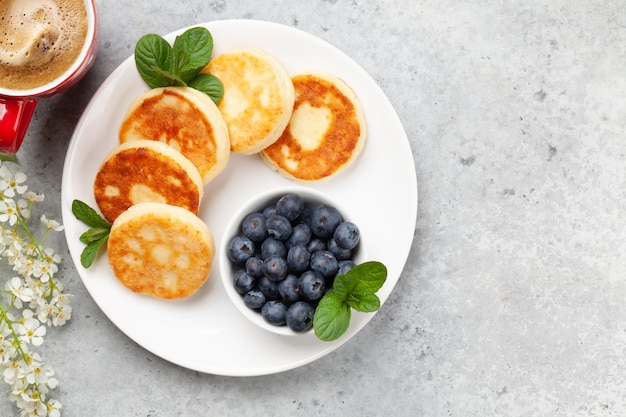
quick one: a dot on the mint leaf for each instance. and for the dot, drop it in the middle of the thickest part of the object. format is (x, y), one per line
(192, 52)
(210, 85)
(154, 57)
(365, 302)
(89, 216)
(344, 284)
(94, 234)
(332, 317)
(162, 65)
(88, 255)
(371, 276)
(355, 289)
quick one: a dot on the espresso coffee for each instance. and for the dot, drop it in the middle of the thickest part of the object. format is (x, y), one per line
(39, 40)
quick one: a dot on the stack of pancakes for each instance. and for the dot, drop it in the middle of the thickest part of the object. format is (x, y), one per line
(174, 140)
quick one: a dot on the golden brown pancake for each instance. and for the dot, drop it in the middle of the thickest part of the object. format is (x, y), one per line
(184, 118)
(160, 250)
(326, 132)
(145, 170)
(258, 97)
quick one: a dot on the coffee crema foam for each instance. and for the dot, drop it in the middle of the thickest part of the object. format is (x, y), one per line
(39, 40)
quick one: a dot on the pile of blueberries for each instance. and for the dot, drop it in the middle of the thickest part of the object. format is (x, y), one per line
(287, 256)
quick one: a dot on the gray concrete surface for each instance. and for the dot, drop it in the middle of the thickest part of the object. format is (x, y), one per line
(512, 300)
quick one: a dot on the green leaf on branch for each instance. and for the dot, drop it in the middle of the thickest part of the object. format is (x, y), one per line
(96, 236)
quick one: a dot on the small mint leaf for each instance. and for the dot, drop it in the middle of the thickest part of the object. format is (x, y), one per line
(344, 284)
(210, 85)
(332, 317)
(88, 255)
(371, 276)
(94, 234)
(154, 58)
(89, 216)
(192, 52)
(365, 302)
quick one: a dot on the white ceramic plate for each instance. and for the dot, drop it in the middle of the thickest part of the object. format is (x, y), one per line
(205, 332)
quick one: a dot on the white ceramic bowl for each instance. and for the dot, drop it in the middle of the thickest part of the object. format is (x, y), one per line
(233, 228)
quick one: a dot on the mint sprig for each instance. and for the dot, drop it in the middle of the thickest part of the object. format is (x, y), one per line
(354, 290)
(97, 234)
(163, 65)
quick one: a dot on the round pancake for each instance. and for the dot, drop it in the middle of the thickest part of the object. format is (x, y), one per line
(184, 118)
(326, 132)
(145, 170)
(160, 250)
(258, 97)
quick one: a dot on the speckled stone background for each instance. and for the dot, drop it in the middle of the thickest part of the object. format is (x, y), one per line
(512, 302)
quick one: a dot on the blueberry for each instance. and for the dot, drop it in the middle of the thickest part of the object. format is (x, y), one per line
(300, 233)
(299, 316)
(253, 227)
(340, 253)
(290, 206)
(254, 266)
(312, 285)
(298, 258)
(274, 312)
(240, 249)
(305, 217)
(324, 220)
(254, 299)
(268, 288)
(271, 246)
(269, 211)
(278, 227)
(243, 282)
(289, 289)
(275, 268)
(315, 245)
(347, 235)
(345, 266)
(325, 263)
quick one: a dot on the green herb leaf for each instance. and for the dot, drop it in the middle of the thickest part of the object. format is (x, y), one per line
(154, 57)
(88, 255)
(89, 216)
(332, 317)
(365, 302)
(344, 284)
(170, 78)
(209, 84)
(192, 52)
(94, 234)
(371, 276)
(162, 65)
(353, 290)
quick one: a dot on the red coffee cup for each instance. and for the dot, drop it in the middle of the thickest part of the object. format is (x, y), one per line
(17, 106)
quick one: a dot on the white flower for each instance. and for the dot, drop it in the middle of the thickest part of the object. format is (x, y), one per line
(35, 297)
(13, 184)
(17, 289)
(30, 330)
(33, 197)
(51, 224)
(11, 371)
(8, 211)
